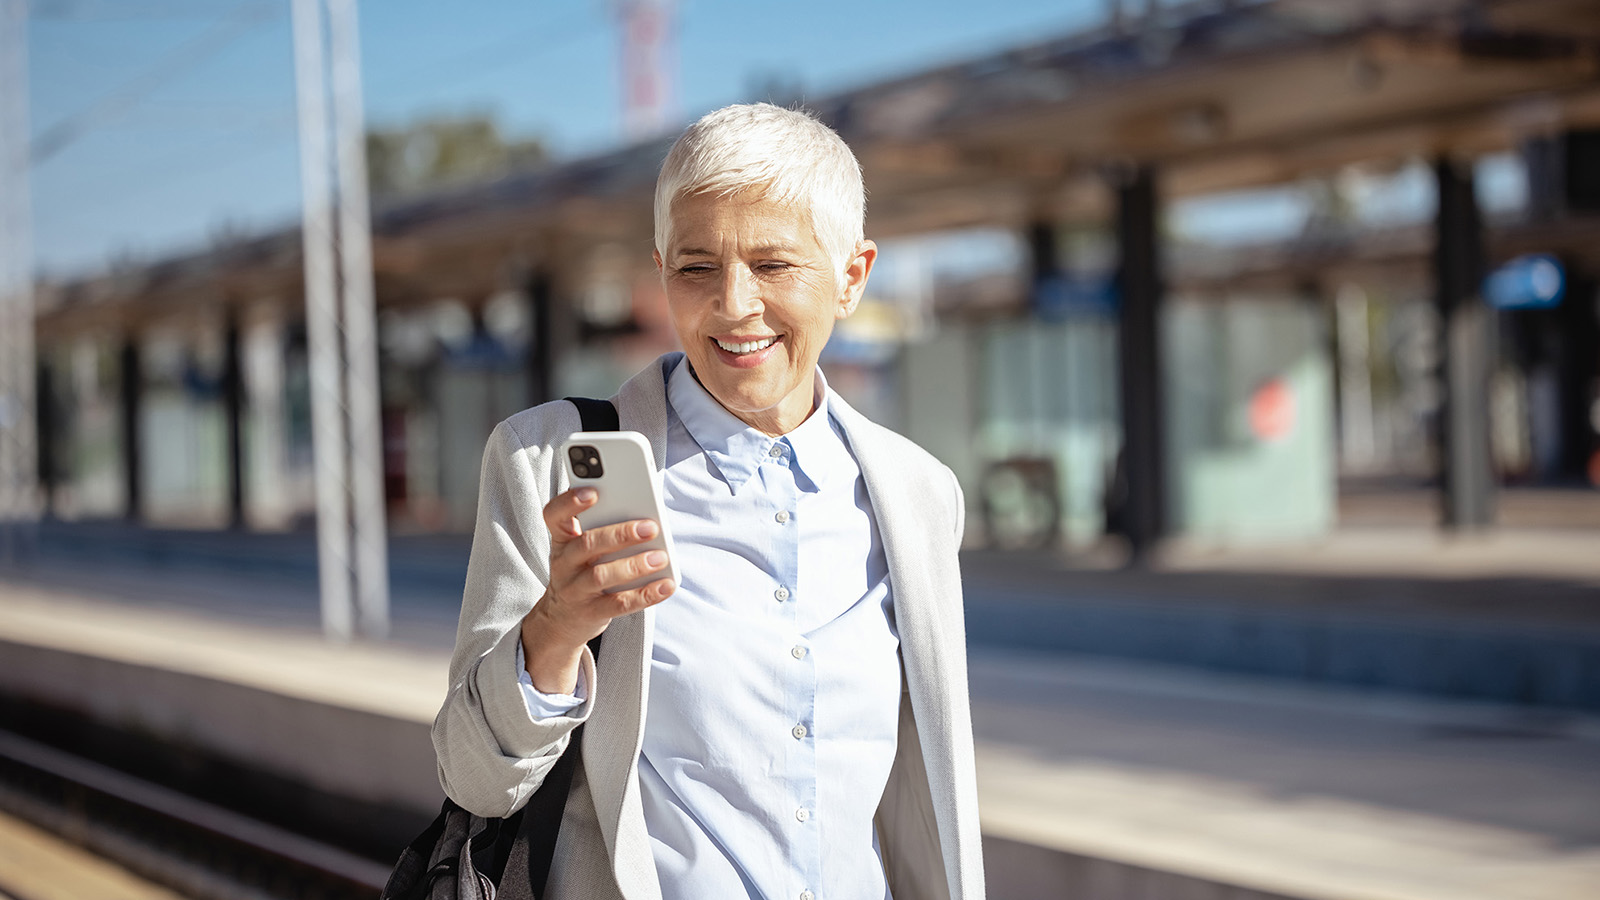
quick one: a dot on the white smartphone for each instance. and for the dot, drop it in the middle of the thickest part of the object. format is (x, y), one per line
(617, 465)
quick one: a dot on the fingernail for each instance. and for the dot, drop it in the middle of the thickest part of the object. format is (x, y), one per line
(586, 495)
(645, 529)
(665, 589)
(655, 559)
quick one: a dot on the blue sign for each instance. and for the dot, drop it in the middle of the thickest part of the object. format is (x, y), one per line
(1534, 281)
(1060, 296)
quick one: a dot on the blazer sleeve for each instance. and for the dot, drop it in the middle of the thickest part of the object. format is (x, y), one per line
(492, 753)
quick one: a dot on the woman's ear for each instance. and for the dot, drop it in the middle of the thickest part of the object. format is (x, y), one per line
(856, 272)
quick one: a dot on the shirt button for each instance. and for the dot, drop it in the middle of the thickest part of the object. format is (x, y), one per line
(798, 652)
(802, 814)
(799, 731)
(807, 895)
(782, 517)
(776, 451)
(781, 594)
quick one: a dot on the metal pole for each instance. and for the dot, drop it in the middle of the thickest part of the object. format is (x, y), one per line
(322, 322)
(233, 411)
(1140, 292)
(45, 429)
(541, 343)
(18, 449)
(12, 177)
(130, 390)
(647, 27)
(1357, 441)
(360, 331)
(1458, 267)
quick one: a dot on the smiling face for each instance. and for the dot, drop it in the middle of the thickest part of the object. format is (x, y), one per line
(753, 296)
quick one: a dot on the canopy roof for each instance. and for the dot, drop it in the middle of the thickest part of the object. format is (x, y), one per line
(1219, 95)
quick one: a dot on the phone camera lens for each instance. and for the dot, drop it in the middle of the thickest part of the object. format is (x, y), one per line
(585, 460)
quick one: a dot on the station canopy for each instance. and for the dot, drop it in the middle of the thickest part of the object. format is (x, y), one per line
(1217, 95)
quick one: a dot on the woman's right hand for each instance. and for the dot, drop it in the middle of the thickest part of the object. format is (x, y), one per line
(576, 606)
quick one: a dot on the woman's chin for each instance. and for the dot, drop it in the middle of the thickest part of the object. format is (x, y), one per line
(745, 405)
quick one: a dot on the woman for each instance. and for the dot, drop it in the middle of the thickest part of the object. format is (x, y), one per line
(791, 721)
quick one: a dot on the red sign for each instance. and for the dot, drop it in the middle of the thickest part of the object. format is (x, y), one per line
(1272, 411)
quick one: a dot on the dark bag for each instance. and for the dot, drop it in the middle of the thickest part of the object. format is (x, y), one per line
(461, 856)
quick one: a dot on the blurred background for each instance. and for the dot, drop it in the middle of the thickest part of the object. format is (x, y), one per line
(1264, 338)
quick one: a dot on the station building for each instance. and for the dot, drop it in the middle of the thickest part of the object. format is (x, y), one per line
(1428, 316)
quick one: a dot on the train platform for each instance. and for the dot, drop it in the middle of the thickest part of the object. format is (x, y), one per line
(1098, 776)
(38, 865)
(1509, 615)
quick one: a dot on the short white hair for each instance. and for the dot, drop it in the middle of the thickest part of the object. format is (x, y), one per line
(787, 155)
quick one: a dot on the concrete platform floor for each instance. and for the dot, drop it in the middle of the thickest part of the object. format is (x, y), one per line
(38, 865)
(1304, 792)
(1260, 787)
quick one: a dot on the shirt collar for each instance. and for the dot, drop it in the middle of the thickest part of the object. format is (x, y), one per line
(815, 449)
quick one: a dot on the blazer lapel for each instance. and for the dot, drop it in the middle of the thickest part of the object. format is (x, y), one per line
(925, 581)
(612, 741)
(914, 555)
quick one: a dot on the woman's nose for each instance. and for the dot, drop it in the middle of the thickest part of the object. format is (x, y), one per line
(741, 295)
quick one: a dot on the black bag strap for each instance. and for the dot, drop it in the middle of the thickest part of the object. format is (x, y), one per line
(524, 841)
(541, 817)
(597, 415)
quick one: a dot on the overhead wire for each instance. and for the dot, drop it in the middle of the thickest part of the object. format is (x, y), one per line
(486, 57)
(202, 156)
(210, 116)
(110, 10)
(453, 62)
(180, 61)
(135, 188)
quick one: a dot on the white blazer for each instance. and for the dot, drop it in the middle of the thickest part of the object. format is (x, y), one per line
(493, 755)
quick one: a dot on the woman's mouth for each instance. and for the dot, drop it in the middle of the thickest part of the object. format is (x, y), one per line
(746, 354)
(745, 346)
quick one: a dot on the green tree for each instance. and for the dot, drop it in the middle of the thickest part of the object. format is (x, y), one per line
(443, 151)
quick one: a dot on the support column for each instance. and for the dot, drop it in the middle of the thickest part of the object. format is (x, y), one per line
(45, 436)
(1466, 467)
(132, 389)
(347, 430)
(19, 513)
(1577, 366)
(1042, 251)
(1139, 290)
(541, 342)
(233, 411)
(1044, 271)
(263, 351)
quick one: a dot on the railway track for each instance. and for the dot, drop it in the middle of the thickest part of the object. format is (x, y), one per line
(196, 848)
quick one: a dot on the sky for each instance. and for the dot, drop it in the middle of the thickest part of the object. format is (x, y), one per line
(163, 124)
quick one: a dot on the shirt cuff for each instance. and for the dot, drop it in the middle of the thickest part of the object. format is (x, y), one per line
(548, 706)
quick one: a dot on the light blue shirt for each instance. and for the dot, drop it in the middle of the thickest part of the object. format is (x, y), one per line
(775, 674)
